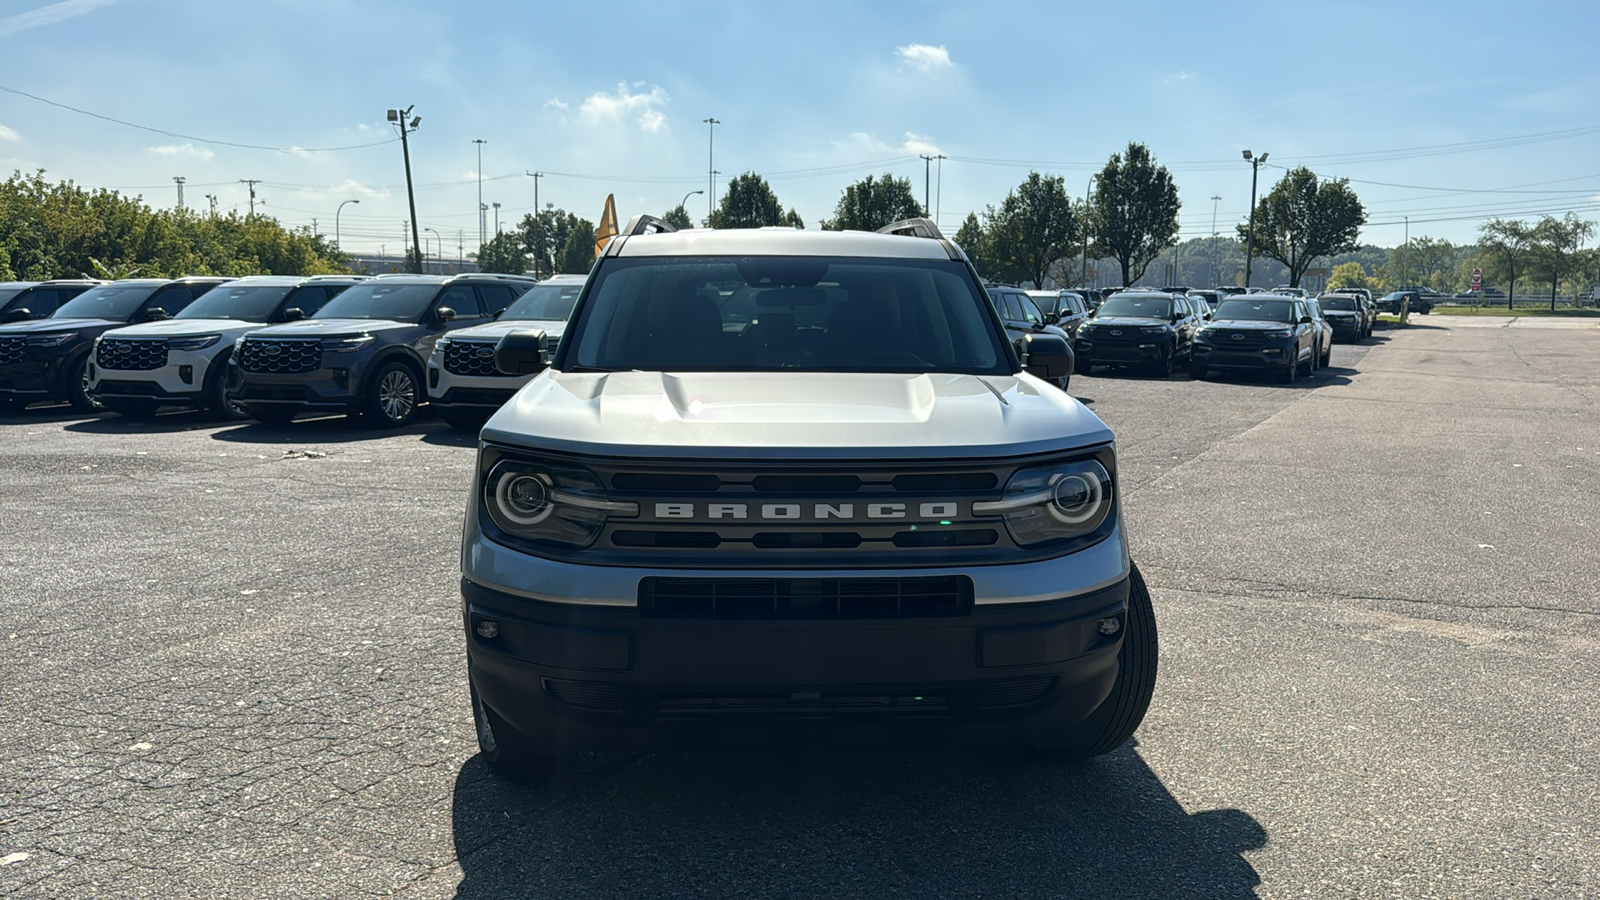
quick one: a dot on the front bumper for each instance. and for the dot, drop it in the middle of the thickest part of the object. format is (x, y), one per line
(1149, 349)
(447, 390)
(1345, 328)
(33, 379)
(573, 677)
(180, 382)
(330, 388)
(1274, 356)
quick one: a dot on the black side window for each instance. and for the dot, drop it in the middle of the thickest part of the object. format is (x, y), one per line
(307, 300)
(495, 297)
(40, 303)
(1030, 312)
(1180, 307)
(1010, 310)
(171, 300)
(462, 299)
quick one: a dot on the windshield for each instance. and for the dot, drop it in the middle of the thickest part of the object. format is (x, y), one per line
(1256, 310)
(112, 301)
(1344, 304)
(7, 293)
(373, 300)
(551, 302)
(744, 314)
(248, 304)
(1136, 307)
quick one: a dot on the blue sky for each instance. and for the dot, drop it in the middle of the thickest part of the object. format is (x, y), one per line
(611, 98)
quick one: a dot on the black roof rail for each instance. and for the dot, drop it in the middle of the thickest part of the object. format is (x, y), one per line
(914, 227)
(643, 224)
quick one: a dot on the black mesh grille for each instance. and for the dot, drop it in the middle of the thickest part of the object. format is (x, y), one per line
(805, 598)
(275, 357)
(131, 355)
(1241, 339)
(11, 349)
(475, 358)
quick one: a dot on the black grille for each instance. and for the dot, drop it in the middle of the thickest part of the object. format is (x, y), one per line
(1017, 691)
(475, 358)
(276, 357)
(1124, 334)
(130, 355)
(1240, 339)
(11, 349)
(805, 598)
(690, 702)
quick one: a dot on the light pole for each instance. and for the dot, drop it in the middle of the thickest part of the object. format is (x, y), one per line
(927, 183)
(497, 220)
(1250, 236)
(440, 238)
(399, 117)
(1087, 189)
(686, 200)
(538, 230)
(711, 166)
(938, 190)
(1214, 201)
(480, 142)
(337, 244)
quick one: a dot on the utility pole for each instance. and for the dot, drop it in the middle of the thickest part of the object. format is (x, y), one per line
(461, 250)
(180, 180)
(711, 168)
(212, 199)
(480, 142)
(496, 220)
(399, 117)
(538, 230)
(927, 183)
(1250, 236)
(938, 193)
(1088, 190)
(252, 182)
(1214, 201)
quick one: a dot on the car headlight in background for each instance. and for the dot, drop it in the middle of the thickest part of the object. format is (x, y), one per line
(198, 342)
(1154, 329)
(346, 344)
(51, 340)
(1056, 502)
(1278, 334)
(548, 502)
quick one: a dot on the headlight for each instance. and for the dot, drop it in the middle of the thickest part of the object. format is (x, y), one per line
(198, 342)
(51, 340)
(346, 344)
(1154, 329)
(548, 502)
(1280, 333)
(1056, 502)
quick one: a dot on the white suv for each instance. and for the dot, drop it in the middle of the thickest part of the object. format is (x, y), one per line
(463, 383)
(182, 361)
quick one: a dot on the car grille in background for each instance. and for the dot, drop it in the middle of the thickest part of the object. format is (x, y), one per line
(276, 357)
(11, 349)
(805, 598)
(705, 702)
(1241, 338)
(129, 355)
(475, 358)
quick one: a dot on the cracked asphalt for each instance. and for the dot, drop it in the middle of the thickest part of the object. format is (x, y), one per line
(232, 668)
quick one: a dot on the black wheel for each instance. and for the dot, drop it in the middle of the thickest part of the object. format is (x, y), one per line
(1062, 382)
(78, 388)
(1290, 372)
(464, 420)
(1327, 355)
(217, 404)
(508, 751)
(1162, 368)
(392, 396)
(272, 415)
(1116, 719)
(135, 410)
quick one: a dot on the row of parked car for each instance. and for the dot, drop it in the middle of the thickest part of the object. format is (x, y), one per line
(272, 347)
(1285, 331)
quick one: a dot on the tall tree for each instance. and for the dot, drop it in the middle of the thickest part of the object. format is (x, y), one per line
(1035, 227)
(1303, 218)
(577, 254)
(544, 236)
(504, 253)
(872, 203)
(678, 217)
(1558, 249)
(1425, 260)
(1510, 245)
(1134, 213)
(750, 202)
(969, 237)
(1351, 275)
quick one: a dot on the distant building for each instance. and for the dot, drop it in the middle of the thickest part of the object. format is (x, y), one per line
(373, 264)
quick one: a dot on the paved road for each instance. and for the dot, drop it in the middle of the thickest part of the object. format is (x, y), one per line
(232, 669)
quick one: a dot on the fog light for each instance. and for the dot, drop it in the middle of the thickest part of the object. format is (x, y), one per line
(488, 629)
(186, 373)
(1107, 626)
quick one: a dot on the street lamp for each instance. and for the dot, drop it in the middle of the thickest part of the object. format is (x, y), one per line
(1087, 188)
(336, 242)
(711, 165)
(480, 142)
(686, 200)
(440, 238)
(1250, 238)
(399, 118)
(1214, 201)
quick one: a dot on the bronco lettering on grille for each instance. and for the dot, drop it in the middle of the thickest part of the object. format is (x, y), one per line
(810, 511)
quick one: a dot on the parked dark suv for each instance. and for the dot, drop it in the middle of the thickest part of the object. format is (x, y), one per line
(1150, 330)
(365, 352)
(47, 359)
(1260, 332)
(23, 300)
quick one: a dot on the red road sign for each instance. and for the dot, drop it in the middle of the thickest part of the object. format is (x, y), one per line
(1477, 279)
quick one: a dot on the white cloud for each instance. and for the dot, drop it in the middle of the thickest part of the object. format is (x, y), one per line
(924, 57)
(914, 143)
(50, 15)
(9, 134)
(1180, 76)
(351, 186)
(601, 107)
(183, 150)
(556, 103)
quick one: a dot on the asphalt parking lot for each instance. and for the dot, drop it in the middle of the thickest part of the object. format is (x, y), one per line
(233, 668)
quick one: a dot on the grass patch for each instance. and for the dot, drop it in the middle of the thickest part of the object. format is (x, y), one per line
(1530, 310)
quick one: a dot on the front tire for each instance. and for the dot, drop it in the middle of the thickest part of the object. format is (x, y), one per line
(217, 404)
(508, 752)
(78, 388)
(1291, 371)
(1115, 720)
(1162, 368)
(392, 396)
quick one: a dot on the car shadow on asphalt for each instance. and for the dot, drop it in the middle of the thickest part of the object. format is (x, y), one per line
(915, 823)
(322, 429)
(51, 415)
(451, 437)
(173, 422)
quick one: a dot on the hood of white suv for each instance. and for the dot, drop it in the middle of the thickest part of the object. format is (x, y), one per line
(494, 331)
(794, 415)
(172, 328)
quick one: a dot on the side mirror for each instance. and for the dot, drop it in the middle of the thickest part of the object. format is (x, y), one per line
(500, 312)
(1305, 320)
(293, 314)
(444, 314)
(1051, 318)
(1046, 356)
(20, 314)
(521, 352)
(155, 314)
